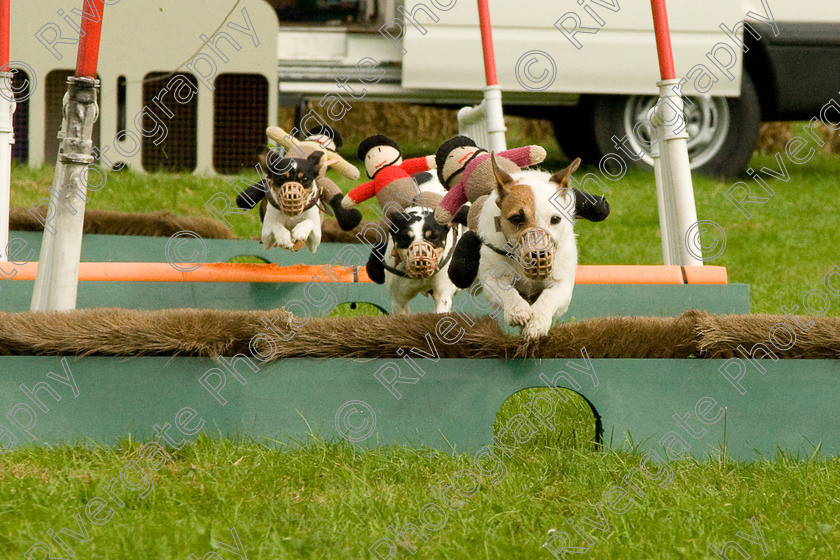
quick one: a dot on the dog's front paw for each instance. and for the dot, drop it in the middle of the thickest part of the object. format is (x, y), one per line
(537, 326)
(301, 231)
(282, 239)
(518, 314)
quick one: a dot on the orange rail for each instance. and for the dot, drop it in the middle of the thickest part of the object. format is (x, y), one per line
(225, 272)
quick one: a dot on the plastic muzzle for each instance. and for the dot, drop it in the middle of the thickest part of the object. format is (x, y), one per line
(421, 259)
(536, 252)
(293, 197)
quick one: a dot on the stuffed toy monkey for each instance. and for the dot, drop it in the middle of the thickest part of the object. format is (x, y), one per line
(391, 181)
(465, 171)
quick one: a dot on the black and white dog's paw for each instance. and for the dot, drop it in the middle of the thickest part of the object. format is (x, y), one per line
(375, 268)
(251, 196)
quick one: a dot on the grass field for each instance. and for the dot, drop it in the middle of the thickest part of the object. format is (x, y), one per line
(328, 500)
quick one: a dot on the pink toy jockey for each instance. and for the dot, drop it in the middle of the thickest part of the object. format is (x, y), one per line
(465, 171)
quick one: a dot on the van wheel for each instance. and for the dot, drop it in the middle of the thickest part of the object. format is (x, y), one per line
(722, 131)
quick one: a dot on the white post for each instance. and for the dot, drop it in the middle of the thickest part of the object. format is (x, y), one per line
(677, 187)
(495, 118)
(7, 138)
(658, 174)
(58, 272)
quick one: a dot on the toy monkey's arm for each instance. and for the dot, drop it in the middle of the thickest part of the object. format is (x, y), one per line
(451, 203)
(417, 165)
(292, 144)
(359, 194)
(525, 156)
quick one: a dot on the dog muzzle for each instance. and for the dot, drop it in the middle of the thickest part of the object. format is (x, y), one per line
(421, 259)
(293, 198)
(536, 253)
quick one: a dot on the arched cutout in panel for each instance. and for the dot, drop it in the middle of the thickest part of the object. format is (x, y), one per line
(240, 117)
(170, 104)
(249, 259)
(56, 87)
(573, 424)
(357, 309)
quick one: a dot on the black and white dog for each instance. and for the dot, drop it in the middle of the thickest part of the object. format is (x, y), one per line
(416, 256)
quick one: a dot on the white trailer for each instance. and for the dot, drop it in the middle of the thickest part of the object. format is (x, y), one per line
(589, 66)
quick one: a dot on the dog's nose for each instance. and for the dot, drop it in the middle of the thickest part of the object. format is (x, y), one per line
(537, 252)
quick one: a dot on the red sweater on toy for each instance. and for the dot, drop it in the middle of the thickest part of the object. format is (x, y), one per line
(387, 175)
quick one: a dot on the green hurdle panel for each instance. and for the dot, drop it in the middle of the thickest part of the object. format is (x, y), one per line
(127, 248)
(451, 407)
(588, 301)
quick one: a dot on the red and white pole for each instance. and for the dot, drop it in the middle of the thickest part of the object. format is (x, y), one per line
(56, 283)
(487, 43)
(7, 135)
(492, 92)
(674, 189)
(5, 11)
(87, 57)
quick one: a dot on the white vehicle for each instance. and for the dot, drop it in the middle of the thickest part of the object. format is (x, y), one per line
(590, 66)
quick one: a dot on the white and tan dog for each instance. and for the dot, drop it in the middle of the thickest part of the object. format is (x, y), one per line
(528, 251)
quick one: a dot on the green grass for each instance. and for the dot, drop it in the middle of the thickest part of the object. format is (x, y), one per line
(332, 501)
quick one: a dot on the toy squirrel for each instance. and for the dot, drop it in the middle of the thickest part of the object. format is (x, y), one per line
(465, 171)
(391, 182)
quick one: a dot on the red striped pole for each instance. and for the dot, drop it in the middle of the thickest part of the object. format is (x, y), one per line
(5, 9)
(663, 39)
(88, 54)
(487, 43)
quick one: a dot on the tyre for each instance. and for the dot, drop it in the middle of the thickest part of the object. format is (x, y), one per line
(722, 131)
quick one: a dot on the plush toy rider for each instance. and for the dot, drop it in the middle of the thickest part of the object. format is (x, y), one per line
(464, 170)
(391, 181)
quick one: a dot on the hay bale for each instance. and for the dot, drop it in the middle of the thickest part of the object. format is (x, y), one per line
(720, 336)
(384, 336)
(830, 137)
(621, 337)
(210, 333)
(166, 224)
(773, 137)
(330, 232)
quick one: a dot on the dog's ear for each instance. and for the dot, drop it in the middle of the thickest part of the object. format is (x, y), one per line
(315, 159)
(375, 268)
(262, 154)
(249, 198)
(561, 178)
(503, 180)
